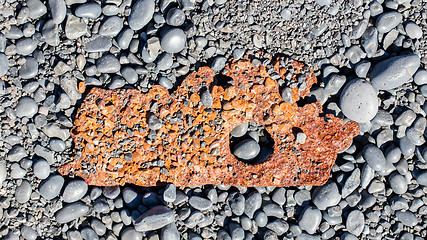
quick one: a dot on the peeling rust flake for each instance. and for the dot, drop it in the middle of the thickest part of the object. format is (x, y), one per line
(188, 143)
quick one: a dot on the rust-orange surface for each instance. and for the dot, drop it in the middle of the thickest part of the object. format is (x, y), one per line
(114, 145)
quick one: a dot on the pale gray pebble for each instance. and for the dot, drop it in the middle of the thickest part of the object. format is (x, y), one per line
(355, 54)
(358, 101)
(375, 8)
(23, 192)
(390, 38)
(261, 219)
(240, 130)
(51, 187)
(131, 197)
(406, 146)
(195, 218)
(413, 30)
(11, 236)
(246, 223)
(319, 94)
(141, 13)
(26, 107)
(415, 136)
(71, 212)
(111, 192)
(130, 75)
(14, 33)
(201, 42)
(108, 64)
(154, 122)
(223, 235)
(324, 2)
(25, 46)
(387, 21)
(28, 233)
(421, 176)
(406, 118)
(399, 203)
(218, 63)
(37, 8)
(74, 191)
(131, 234)
(383, 118)
(310, 219)
(407, 218)
(170, 232)
(199, 203)
(279, 226)
(50, 32)
(206, 98)
(165, 82)
(348, 236)
(246, 149)
(89, 234)
(41, 169)
(274, 210)
(326, 196)
(359, 29)
(99, 44)
(305, 236)
(4, 64)
(116, 82)
(17, 172)
(398, 183)
(279, 196)
(98, 226)
(29, 69)
(88, 10)
(175, 17)
(236, 202)
(101, 206)
(355, 222)
(254, 201)
(111, 26)
(238, 53)
(173, 40)
(75, 27)
(125, 216)
(333, 86)
(58, 10)
(3, 172)
(420, 77)
(110, 10)
(286, 14)
(164, 62)
(155, 218)
(394, 72)
(31, 86)
(374, 157)
(57, 145)
(351, 183)
(369, 41)
(16, 153)
(169, 195)
(124, 38)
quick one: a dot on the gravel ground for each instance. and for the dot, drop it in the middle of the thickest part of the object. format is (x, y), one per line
(369, 57)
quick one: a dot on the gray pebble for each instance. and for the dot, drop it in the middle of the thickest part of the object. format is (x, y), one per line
(286, 14)
(108, 64)
(57, 145)
(310, 219)
(89, 234)
(165, 82)
(111, 192)
(383, 118)
(170, 232)
(240, 130)
(421, 176)
(175, 17)
(23, 192)
(3, 173)
(236, 232)
(355, 54)
(173, 40)
(17, 172)
(326, 195)
(75, 27)
(279, 196)
(394, 72)
(369, 41)
(141, 13)
(274, 210)
(199, 203)
(237, 203)
(111, 26)
(131, 234)
(375, 8)
(351, 183)
(420, 77)
(37, 8)
(99, 44)
(125, 37)
(206, 98)
(398, 183)
(359, 29)
(41, 169)
(154, 122)
(238, 53)
(28, 233)
(415, 136)
(169, 195)
(254, 201)
(74, 191)
(406, 146)
(261, 219)
(71, 212)
(374, 157)
(218, 63)
(50, 32)
(98, 226)
(355, 222)
(131, 197)
(4, 64)
(359, 101)
(51, 187)
(406, 118)
(88, 10)
(407, 218)
(29, 69)
(247, 149)
(26, 46)
(279, 226)
(130, 75)
(58, 10)
(26, 107)
(333, 86)
(413, 30)
(387, 21)
(14, 33)
(164, 62)
(16, 153)
(155, 218)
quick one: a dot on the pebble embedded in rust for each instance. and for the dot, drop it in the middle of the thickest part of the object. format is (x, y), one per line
(114, 145)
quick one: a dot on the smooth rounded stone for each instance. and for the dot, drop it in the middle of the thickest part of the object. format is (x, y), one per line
(247, 149)
(26, 107)
(387, 21)
(164, 62)
(305, 236)
(398, 183)
(23, 192)
(37, 8)
(374, 157)
(358, 30)
(413, 30)
(111, 192)
(254, 201)
(399, 203)
(376, 186)
(75, 27)
(406, 146)
(278, 226)
(131, 197)
(323, 2)
(383, 118)
(326, 196)
(29, 69)
(416, 137)
(421, 176)
(218, 63)
(131, 234)
(407, 218)
(236, 231)
(375, 8)
(57, 145)
(406, 118)
(4, 64)
(310, 219)
(394, 72)
(240, 130)
(420, 77)
(11, 236)
(89, 234)
(279, 196)
(17, 172)
(14, 33)
(41, 169)
(108, 64)
(165, 82)
(169, 195)
(155, 218)
(28, 233)
(116, 83)
(3, 173)
(99, 44)
(206, 98)
(71, 212)
(16, 153)
(236, 201)
(110, 10)
(51, 187)
(25, 46)
(98, 226)
(355, 54)
(175, 17)
(130, 75)
(154, 122)
(351, 183)
(74, 191)
(359, 101)
(124, 38)
(362, 68)
(58, 10)
(111, 26)
(88, 10)
(355, 222)
(173, 40)
(141, 13)
(170, 232)
(369, 41)
(261, 219)
(199, 203)
(274, 210)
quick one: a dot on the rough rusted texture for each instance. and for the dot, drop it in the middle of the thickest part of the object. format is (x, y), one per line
(114, 145)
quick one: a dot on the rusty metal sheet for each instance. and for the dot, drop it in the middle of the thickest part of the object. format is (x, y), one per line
(114, 145)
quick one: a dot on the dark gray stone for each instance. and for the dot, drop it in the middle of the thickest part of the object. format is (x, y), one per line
(71, 212)
(51, 187)
(155, 218)
(247, 149)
